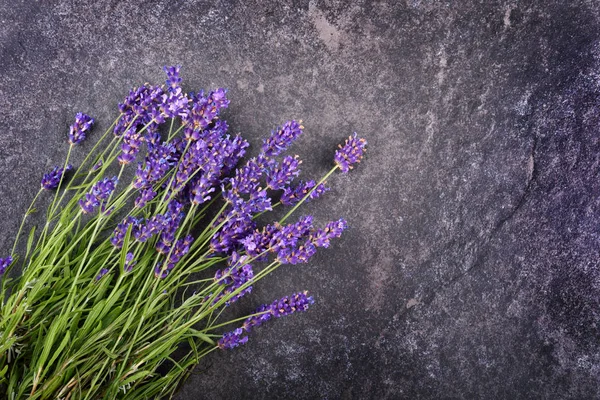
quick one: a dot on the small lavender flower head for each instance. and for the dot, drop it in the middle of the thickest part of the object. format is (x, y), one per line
(153, 226)
(287, 237)
(293, 195)
(289, 305)
(146, 195)
(282, 138)
(282, 175)
(80, 127)
(351, 153)
(264, 312)
(129, 262)
(334, 229)
(232, 339)
(130, 146)
(99, 193)
(51, 179)
(120, 231)
(102, 272)
(173, 78)
(296, 255)
(4, 263)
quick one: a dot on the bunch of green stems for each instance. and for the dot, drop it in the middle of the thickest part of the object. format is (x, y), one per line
(65, 334)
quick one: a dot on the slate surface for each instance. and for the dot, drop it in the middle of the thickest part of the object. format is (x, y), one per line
(471, 266)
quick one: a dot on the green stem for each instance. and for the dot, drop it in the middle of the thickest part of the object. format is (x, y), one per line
(27, 213)
(286, 216)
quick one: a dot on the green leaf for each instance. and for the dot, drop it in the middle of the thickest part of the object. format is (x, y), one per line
(137, 376)
(109, 354)
(110, 317)
(201, 336)
(30, 241)
(60, 348)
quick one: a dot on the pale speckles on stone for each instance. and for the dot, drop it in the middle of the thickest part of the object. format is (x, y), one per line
(328, 33)
(412, 302)
(522, 107)
(443, 63)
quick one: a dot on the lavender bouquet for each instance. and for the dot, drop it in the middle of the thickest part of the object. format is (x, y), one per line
(124, 274)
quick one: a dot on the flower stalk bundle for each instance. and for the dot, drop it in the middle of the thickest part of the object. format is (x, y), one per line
(103, 300)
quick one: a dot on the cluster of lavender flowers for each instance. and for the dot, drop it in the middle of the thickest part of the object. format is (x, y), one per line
(177, 175)
(297, 302)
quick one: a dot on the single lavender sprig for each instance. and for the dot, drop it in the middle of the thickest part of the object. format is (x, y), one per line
(51, 179)
(129, 262)
(288, 305)
(282, 138)
(102, 272)
(79, 129)
(173, 78)
(100, 192)
(233, 339)
(351, 153)
(334, 229)
(4, 263)
(293, 195)
(280, 176)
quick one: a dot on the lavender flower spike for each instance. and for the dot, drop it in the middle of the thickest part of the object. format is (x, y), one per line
(100, 192)
(289, 305)
(351, 153)
(282, 138)
(129, 262)
(51, 179)
(78, 130)
(173, 78)
(232, 339)
(102, 272)
(4, 263)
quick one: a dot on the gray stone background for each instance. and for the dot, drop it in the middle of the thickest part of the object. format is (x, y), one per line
(470, 269)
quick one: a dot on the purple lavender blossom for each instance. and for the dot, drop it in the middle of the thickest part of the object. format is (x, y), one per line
(296, 255)
(129, 262)
(98, 165)
(160, 158)
(79, 129)
(351, 153)
(264, 312)
(102, 272)
(130, 147)
(298, 302)
(232, 339)
(232, 232)
(4, 263)
(139, 109)
(203, 112)
(171, 221)
(288, 236)
(176, 253)
(334, 229)
(146, 195)
(258, 242)
(246, 179)
(292, 196)
(282, 138)
(99, 193)
(153, 227)
(282, 175)
(233, 277)
(120, 231)
(51, 179)
(174, 103)
(173, 78)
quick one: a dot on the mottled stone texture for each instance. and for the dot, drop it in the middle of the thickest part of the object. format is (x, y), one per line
(471, 266)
